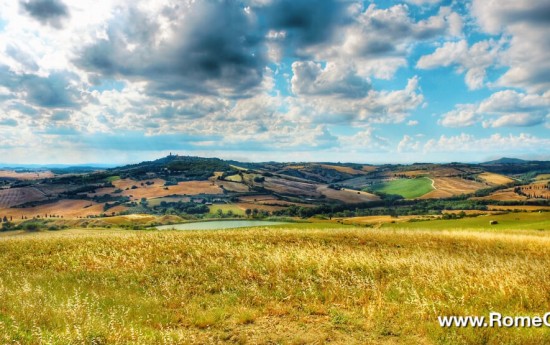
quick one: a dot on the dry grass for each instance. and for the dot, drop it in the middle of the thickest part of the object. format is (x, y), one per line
(446, 187)
(380, 219)
(157, 189)
(16, 196)
(368, 168)
(286, 186)
(66, 208)
(518, 207)
(495, 179)
(537, 190)
(542, 177)
(343, 169)
(502, 195)
(347, 195)
(286, 286)
(232, 186)
(25, 175)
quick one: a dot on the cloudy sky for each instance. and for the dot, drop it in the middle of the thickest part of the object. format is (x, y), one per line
(116, 81)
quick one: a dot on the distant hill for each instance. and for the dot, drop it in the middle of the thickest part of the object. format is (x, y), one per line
(186, 167)
(506, 160)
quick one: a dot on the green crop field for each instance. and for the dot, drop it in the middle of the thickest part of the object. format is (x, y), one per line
(407, 188)
(509, 221)
(291, 285)
(112, 178)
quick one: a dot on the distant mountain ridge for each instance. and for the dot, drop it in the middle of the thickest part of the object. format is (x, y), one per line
(506, 160)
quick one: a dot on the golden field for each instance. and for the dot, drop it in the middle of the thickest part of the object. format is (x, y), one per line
(446, 187)
(296, 284)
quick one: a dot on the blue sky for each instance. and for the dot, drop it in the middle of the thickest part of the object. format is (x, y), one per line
(257, 80)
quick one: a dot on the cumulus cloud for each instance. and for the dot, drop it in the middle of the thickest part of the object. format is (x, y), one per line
(305, 22)
(522, 143)
(377, 41)
(366, 140)
(527, 23)
(309, 78)
(53, 91)
(208, 48)
(408, 144)
(464, 115)
(47, 12)
(474, 60)
(375, 107)
(506, 108)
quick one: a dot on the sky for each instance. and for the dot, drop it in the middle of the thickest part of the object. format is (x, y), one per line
(111, 81)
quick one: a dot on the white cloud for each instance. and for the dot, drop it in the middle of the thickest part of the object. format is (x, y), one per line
(375, 107)
(522, 143)
(527, 24)
(365, 140)
(408, 144)
(473, 60)
(378, 41)
(310, 78)
(506, 108)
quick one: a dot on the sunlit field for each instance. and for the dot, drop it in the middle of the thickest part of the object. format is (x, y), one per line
(302, 285)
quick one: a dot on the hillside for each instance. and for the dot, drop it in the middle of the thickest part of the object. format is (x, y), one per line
(197, 187)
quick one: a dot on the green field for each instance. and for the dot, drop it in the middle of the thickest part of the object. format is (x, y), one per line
(157, 201)
(509, 221)
(112, 178)
(291, 285)
(407, 188)
(225, 208)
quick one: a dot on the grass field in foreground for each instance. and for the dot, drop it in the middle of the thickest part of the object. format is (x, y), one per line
(407, 188)
(259, 286)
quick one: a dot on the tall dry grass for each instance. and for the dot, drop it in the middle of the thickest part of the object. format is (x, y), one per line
(294, 286)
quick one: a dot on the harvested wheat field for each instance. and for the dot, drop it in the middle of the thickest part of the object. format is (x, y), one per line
(537, 190)
(519, 208)
(503, 195)
(25, 175)
(347, 195)
(66, 208)
(495, 179)
(286, 186)
(448, 186)
(232, 186)
(157, 189)
(17, 196)
(344, 169)
(543, 177)
(279, 286)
